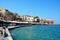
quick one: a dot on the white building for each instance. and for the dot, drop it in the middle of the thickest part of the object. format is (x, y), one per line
(28, 18)
(42, 20)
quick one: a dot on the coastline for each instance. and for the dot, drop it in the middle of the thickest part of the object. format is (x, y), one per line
(9, 35)
(36, 31)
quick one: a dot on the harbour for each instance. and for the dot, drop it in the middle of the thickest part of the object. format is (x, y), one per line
(37, 32)
(26, 27)
(10, 21)
(34, 32)
(22, 26)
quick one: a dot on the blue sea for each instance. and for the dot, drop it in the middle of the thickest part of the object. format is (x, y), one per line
(37, 32)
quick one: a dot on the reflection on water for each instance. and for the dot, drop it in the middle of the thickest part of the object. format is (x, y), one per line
(37, 33)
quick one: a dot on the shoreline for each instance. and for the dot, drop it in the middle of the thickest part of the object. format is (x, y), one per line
(9, 35)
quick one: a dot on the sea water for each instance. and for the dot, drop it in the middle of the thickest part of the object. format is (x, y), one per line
(37, 32)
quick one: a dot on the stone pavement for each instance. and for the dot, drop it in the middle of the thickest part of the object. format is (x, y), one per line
(0, 34)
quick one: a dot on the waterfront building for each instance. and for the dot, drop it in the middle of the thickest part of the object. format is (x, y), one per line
(42, 21)
(31, 18)
(28, 18)
(36, 19)
(49, 22)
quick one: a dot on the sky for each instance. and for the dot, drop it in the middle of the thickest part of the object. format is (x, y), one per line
(48, 9)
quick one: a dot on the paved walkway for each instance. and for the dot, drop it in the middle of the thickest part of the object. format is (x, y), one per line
(0, 34)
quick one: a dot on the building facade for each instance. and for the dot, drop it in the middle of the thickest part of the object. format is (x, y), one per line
(28, 18)
(42, 21)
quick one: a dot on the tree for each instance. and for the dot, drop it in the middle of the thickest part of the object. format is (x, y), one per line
(36, 17)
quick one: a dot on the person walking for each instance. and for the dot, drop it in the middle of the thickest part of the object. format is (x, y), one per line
(3, 32)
